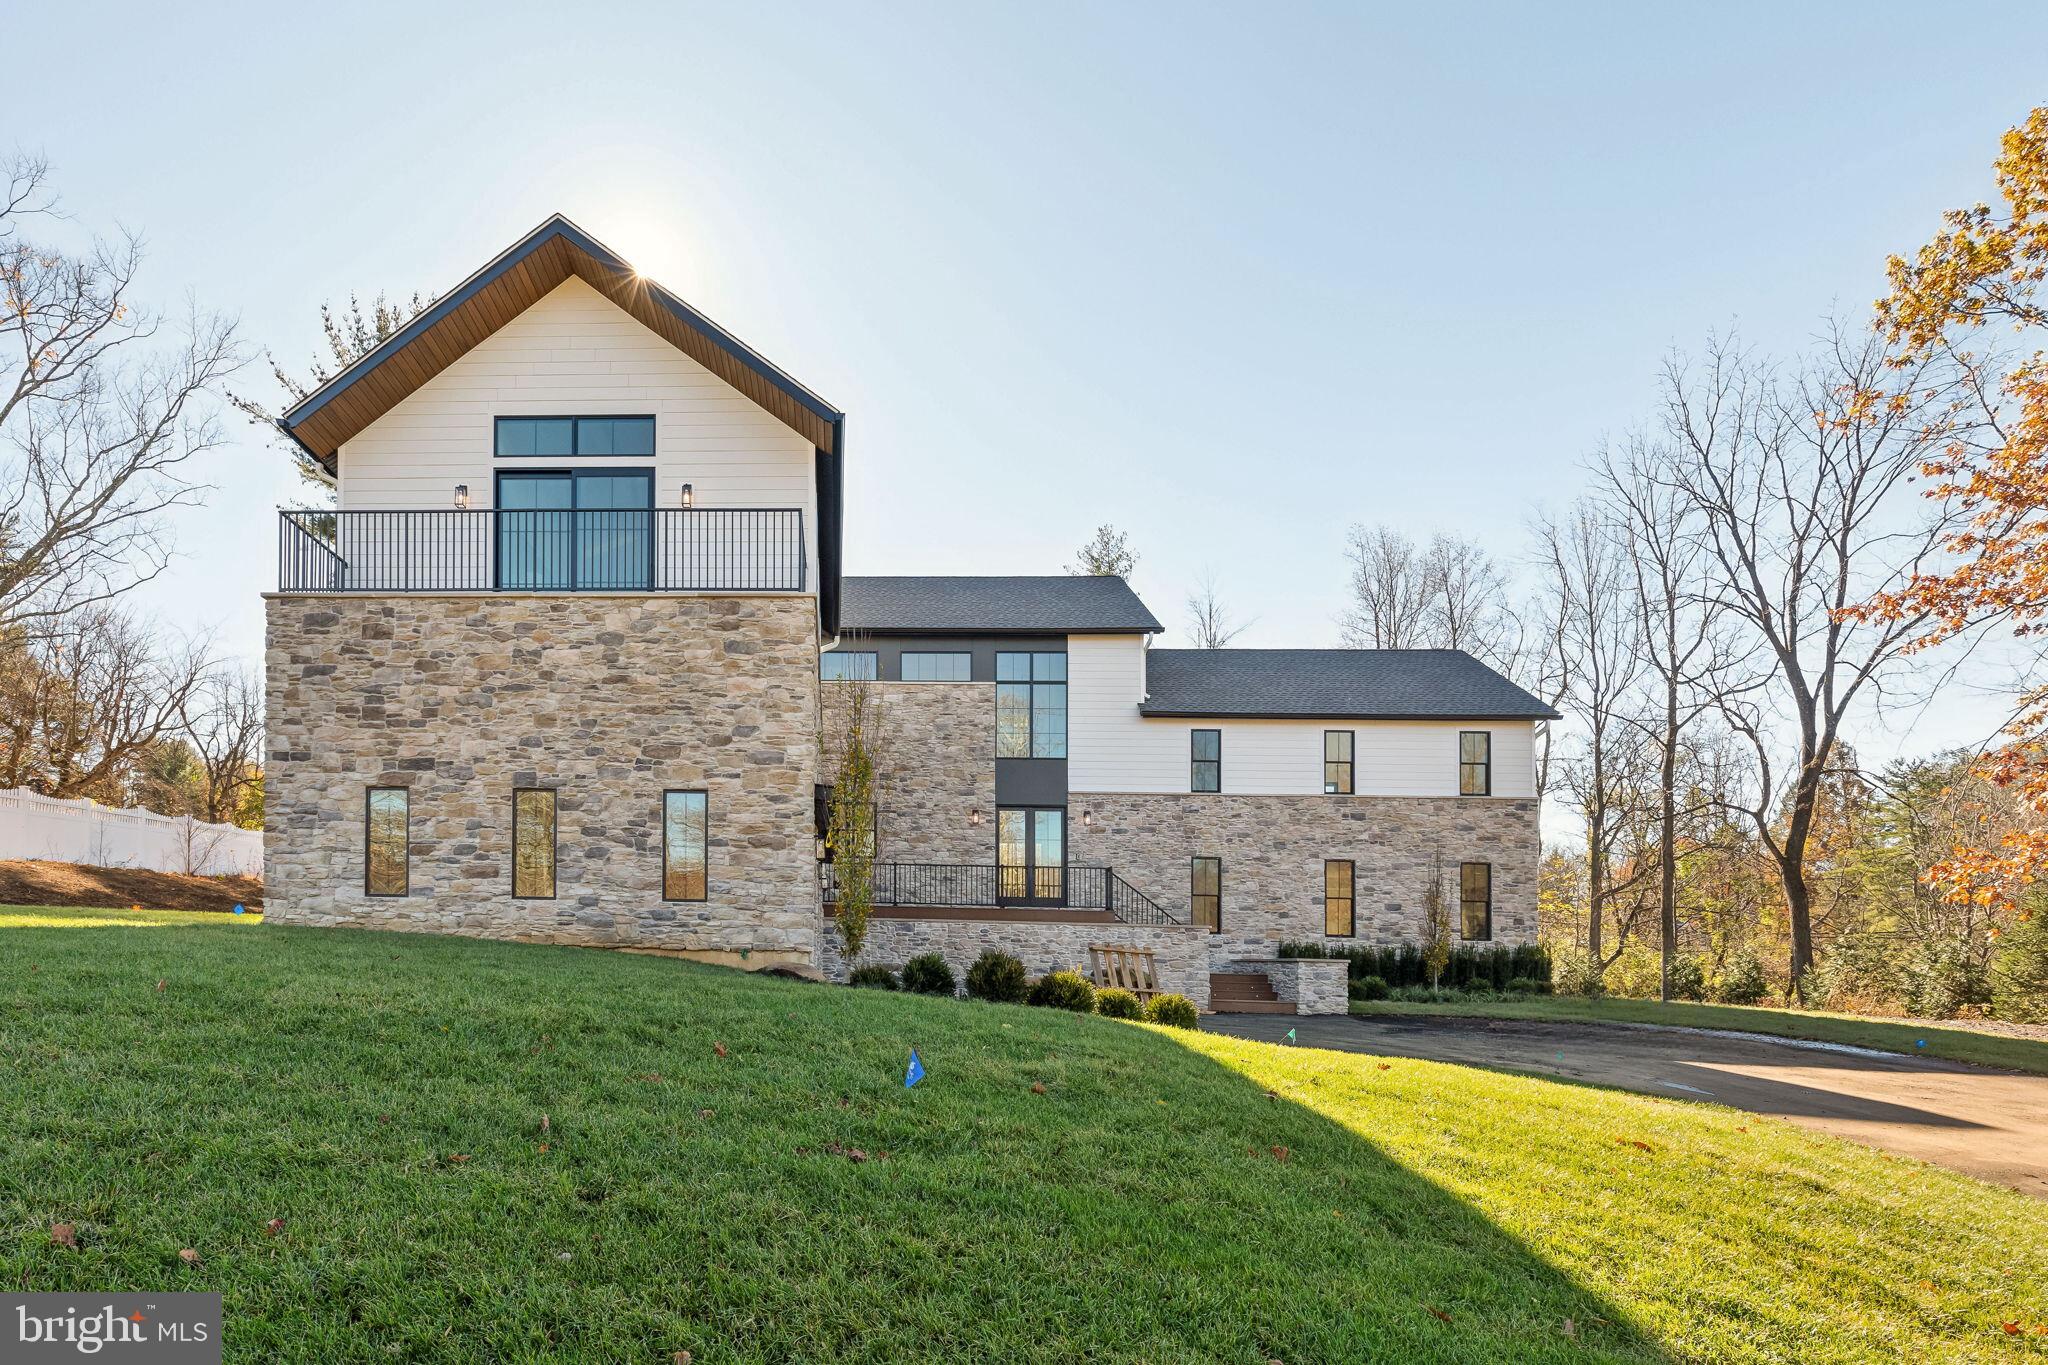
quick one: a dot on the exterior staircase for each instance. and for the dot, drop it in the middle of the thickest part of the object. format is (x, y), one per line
(1245, 993)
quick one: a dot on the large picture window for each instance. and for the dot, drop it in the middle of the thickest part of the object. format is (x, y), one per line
(1475, 763)
(1337, 761)
(386, 848)
(1205, 760)
(520, 437)
(1205, 893)
(937, 667)
(533, 843)
(1475, 901)
(1338, 918)
(685, 846)
(853, 665)
(1031, 705)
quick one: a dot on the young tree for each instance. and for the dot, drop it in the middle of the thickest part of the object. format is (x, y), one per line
(853, 745)
(1107, 555)
(1210, 625)
(1436, 923)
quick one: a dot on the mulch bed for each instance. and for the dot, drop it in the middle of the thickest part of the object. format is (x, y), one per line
(30, 882)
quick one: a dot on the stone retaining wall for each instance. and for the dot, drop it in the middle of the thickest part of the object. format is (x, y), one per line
(1180, 953)
(1315, 985)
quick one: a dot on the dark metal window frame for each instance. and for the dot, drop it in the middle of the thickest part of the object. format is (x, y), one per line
(685, 791)
(874, 664)
(1031, 685)
(576, 433)
(1348, 764)
(500, 512)
(1484, 765)
(903, 663)
(1350, 929)
(1485, 903)
(554, 843)
(1031, 867)
(1193, 863)
(1196, 764)
(405, 862)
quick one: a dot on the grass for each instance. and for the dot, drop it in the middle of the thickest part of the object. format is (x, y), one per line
(1166, 1197)
(1857, 1030)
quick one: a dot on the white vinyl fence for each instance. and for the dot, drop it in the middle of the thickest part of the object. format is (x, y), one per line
(84, 831)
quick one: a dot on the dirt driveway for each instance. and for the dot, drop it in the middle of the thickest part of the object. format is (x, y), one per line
(1990, 1124)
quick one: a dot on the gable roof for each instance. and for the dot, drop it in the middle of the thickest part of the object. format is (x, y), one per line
(1333, 684)
(1054, 604)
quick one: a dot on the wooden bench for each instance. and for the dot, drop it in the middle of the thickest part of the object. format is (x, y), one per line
(1130, 969)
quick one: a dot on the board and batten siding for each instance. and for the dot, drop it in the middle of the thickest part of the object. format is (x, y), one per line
(575, 354)
(1112, 748)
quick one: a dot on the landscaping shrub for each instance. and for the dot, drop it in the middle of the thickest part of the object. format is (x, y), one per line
(1471, 967)
(2019, 974)
(1175, 1011)
(1574, 974)
(1064, 991)
(1944, 976)
(1527, 985)
(1742, 981)
(874, 977)
(1369, 988)
(928, 974)
(1114, 1002)
(998, 977)
(1688, 977)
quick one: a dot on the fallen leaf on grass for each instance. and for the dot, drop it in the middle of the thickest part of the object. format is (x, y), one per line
(64, 1235)
(2012, 1329)
(543, 1148)
(1281, 1154)
(856, 1154)
(189, 1256)
(159, 985)
(683, 1357)
(543, 1123)
(1437, 1313)
(459, 1157)
(383, 1118)
(1634, 1142)
(707, 1113)
(1571, 1329)
(1272, 1094)
(275, 1225)
(1386, 1066)
(1038, 1087)
(718, 1048)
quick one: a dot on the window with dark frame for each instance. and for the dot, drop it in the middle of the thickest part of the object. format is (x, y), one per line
(1205, 760)
(1338, 918)
(387, 852)
(1475, 902)
(1475, 763)
(1031, 704)
(929, 667)
(1205, 893)
(1338, 746)
(853, 665)
(544, 437)
(533, 843)
(685, 846)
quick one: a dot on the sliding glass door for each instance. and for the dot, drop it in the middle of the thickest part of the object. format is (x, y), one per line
(569, 531)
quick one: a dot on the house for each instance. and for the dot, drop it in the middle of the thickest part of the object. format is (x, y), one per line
(559, 668)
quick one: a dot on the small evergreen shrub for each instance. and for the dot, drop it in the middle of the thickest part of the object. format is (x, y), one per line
(2019, 973)
(1472, 967)
(1114, 1002)
(928, 974)
(997, 977)
(1742, 981)
(1369, 988)
(1688, 977)
(1064, 991)
(1575, 974)
(1527, 985)
(873, 977)
(1174, 1011)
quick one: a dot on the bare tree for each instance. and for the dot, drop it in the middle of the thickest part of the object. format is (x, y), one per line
(1390, 591)
(97, 419)
(1447, 594)
(1210, 625)
(1107, 555)
(103, 693)
(222, 719)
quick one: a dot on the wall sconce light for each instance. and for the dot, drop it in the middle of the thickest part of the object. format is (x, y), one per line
(689, 496)
(1087, 819)
(462, 496)
(974, 817)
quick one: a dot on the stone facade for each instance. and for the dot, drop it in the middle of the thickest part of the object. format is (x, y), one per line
(1180, 952)
(936, 766)
(1273, 848)
(1315, 985)
(609, 700)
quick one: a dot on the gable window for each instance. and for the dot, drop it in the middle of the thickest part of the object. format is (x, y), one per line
(1031, 705)
(533, 843)
(386, 848)
(1337, 766)
(847, 666)
(937, 667)
(1205, 760)
(521, 437)
(1205, 893)
(1338, 921)
(1475, 901)
(685, 846)
(1475, 763)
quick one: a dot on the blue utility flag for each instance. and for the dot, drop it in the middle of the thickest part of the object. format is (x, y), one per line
(915, 1072)
(239, 910)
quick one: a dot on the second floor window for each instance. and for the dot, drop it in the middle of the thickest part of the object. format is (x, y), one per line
(1205, 760)
(848, 666)
(1475, 763)
(1031, 705)
(1337, 766)
(517, 437)
(937, 667)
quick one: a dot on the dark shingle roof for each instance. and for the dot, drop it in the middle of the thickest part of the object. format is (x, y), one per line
(1047, 605)
(1334, 684)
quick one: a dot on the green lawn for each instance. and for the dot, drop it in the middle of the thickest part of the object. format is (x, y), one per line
(1957, 1044)
(1167, 1197)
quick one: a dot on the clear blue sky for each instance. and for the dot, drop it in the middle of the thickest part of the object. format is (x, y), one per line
(1230, 277)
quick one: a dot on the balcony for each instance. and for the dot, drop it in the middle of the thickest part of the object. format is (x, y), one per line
(658, 550)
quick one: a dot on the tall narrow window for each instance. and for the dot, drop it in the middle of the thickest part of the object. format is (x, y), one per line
(1475, 901)
(533, 843)
(1475, 763)
(856, 665)
(685, 846)
(1205, 760)
(1337, 749)
(1205, 893)
(948, 667)
(1338, 921)
(1031, 705)
(386, 856)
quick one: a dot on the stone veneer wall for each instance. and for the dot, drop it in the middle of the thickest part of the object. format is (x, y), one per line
(610, 700)
(1315, 985)
(1273, 849)
(937, 767)
(1180, 953)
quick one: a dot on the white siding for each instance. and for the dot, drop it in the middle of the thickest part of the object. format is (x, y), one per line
(1111, 748)
(574, 353)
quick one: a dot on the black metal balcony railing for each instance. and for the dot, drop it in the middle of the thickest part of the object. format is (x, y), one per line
(969, 886)
(665, 549)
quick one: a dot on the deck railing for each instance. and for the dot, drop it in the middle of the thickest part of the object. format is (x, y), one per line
(666, 549)
(971, 886)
